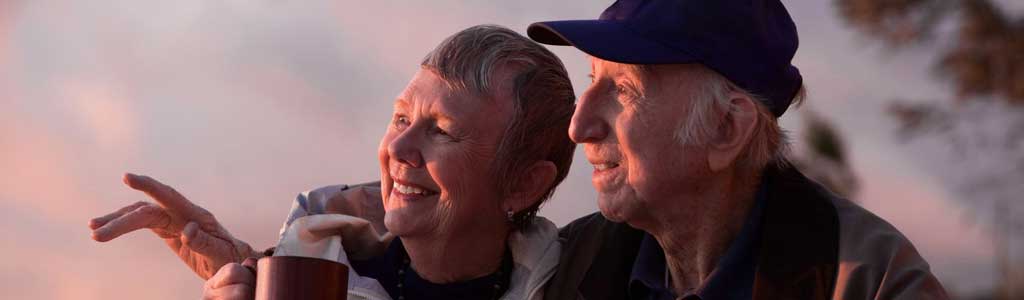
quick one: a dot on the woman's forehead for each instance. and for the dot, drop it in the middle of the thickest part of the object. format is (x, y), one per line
(428, 93)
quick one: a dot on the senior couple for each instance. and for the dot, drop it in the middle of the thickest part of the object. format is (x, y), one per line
(680, 123)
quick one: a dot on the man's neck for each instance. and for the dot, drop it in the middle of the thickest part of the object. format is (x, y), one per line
(453, 259)
(696, 233)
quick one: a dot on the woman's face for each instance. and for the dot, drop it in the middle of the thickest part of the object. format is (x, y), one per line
(436, 158)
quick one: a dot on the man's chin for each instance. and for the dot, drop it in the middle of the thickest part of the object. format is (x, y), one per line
(612, 209)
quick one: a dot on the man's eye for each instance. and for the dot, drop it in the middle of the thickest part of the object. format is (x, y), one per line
(626, 91)
(623, 90)
(442, 132)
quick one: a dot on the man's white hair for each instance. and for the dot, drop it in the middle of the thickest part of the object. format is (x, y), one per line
(769, 143)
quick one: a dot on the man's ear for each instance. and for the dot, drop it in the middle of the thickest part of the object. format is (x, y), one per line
(531, 186)
(734, 132)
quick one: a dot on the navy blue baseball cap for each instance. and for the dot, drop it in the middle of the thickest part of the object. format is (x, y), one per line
(750, 42)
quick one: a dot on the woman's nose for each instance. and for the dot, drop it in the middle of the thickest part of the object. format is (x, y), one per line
(405, 149)
(587, 125)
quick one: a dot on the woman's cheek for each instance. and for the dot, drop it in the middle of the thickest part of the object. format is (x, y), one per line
(453, 195)
(446, 219)
(382, 149)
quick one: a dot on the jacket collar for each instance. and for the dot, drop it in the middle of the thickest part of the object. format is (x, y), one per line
(800, 243)
(798, 256)
(535, 250)
(731, 278)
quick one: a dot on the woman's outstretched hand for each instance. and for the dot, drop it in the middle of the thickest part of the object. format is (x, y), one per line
(189, 230)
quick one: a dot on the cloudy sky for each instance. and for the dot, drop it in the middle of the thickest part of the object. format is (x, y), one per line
(242, 104)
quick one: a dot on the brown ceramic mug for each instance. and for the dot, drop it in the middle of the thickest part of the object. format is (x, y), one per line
(294, 277)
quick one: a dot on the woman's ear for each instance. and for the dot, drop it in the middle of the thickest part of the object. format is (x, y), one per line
(531, 186)
(735, 130)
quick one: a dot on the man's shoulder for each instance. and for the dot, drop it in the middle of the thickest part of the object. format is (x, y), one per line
(872, 240)
(874, 254)
(867, 257)
(858, 225)
(863, 237)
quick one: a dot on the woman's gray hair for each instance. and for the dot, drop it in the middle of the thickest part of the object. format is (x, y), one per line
(769, 142)
(542, 94)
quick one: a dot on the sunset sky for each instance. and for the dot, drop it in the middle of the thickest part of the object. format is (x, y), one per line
(241, 105)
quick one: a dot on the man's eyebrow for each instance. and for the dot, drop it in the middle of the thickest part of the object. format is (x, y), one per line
(442, 117)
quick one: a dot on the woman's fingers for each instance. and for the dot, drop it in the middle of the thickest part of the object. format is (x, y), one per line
(232, 274)
(358, 236)
(145, 216)
(231, 292)
(348, 227)
(167, 197)
(232, 281)
(100, 221)
(205, 244)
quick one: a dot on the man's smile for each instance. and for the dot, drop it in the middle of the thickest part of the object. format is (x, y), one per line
(605, 166)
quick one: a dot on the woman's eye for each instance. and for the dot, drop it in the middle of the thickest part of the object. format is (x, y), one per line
(444, 135)
(401, 121)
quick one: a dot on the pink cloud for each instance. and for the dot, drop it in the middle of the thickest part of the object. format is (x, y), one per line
(107, 116)
(35, 169)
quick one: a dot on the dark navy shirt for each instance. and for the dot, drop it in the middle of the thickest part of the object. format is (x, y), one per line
(385, 269)
(732, 278)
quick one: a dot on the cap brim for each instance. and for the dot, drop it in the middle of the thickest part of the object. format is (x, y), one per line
(607, 40)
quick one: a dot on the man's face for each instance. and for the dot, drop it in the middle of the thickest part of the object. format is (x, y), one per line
(628, 122)
(435, 159)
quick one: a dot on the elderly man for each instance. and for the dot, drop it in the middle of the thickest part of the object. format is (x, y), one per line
(680, 124)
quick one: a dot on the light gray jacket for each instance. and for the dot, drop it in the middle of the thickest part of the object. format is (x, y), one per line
(535, 250)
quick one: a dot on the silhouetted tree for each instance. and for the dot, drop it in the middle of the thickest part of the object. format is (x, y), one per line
(974, 145)
(983, 57)
(823, 156)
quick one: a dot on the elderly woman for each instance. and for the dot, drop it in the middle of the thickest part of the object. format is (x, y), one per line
(475, 144)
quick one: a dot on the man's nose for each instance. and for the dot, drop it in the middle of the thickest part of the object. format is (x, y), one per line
(405, 149)
(587, 125)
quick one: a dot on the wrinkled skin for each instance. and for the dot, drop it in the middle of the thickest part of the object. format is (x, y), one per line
(190, 231)
(444, 143)
(232, 282)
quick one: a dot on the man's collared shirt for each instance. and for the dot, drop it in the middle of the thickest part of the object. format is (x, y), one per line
(732, 278)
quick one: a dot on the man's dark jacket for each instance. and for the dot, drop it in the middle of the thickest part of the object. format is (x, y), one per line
(814, 245)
